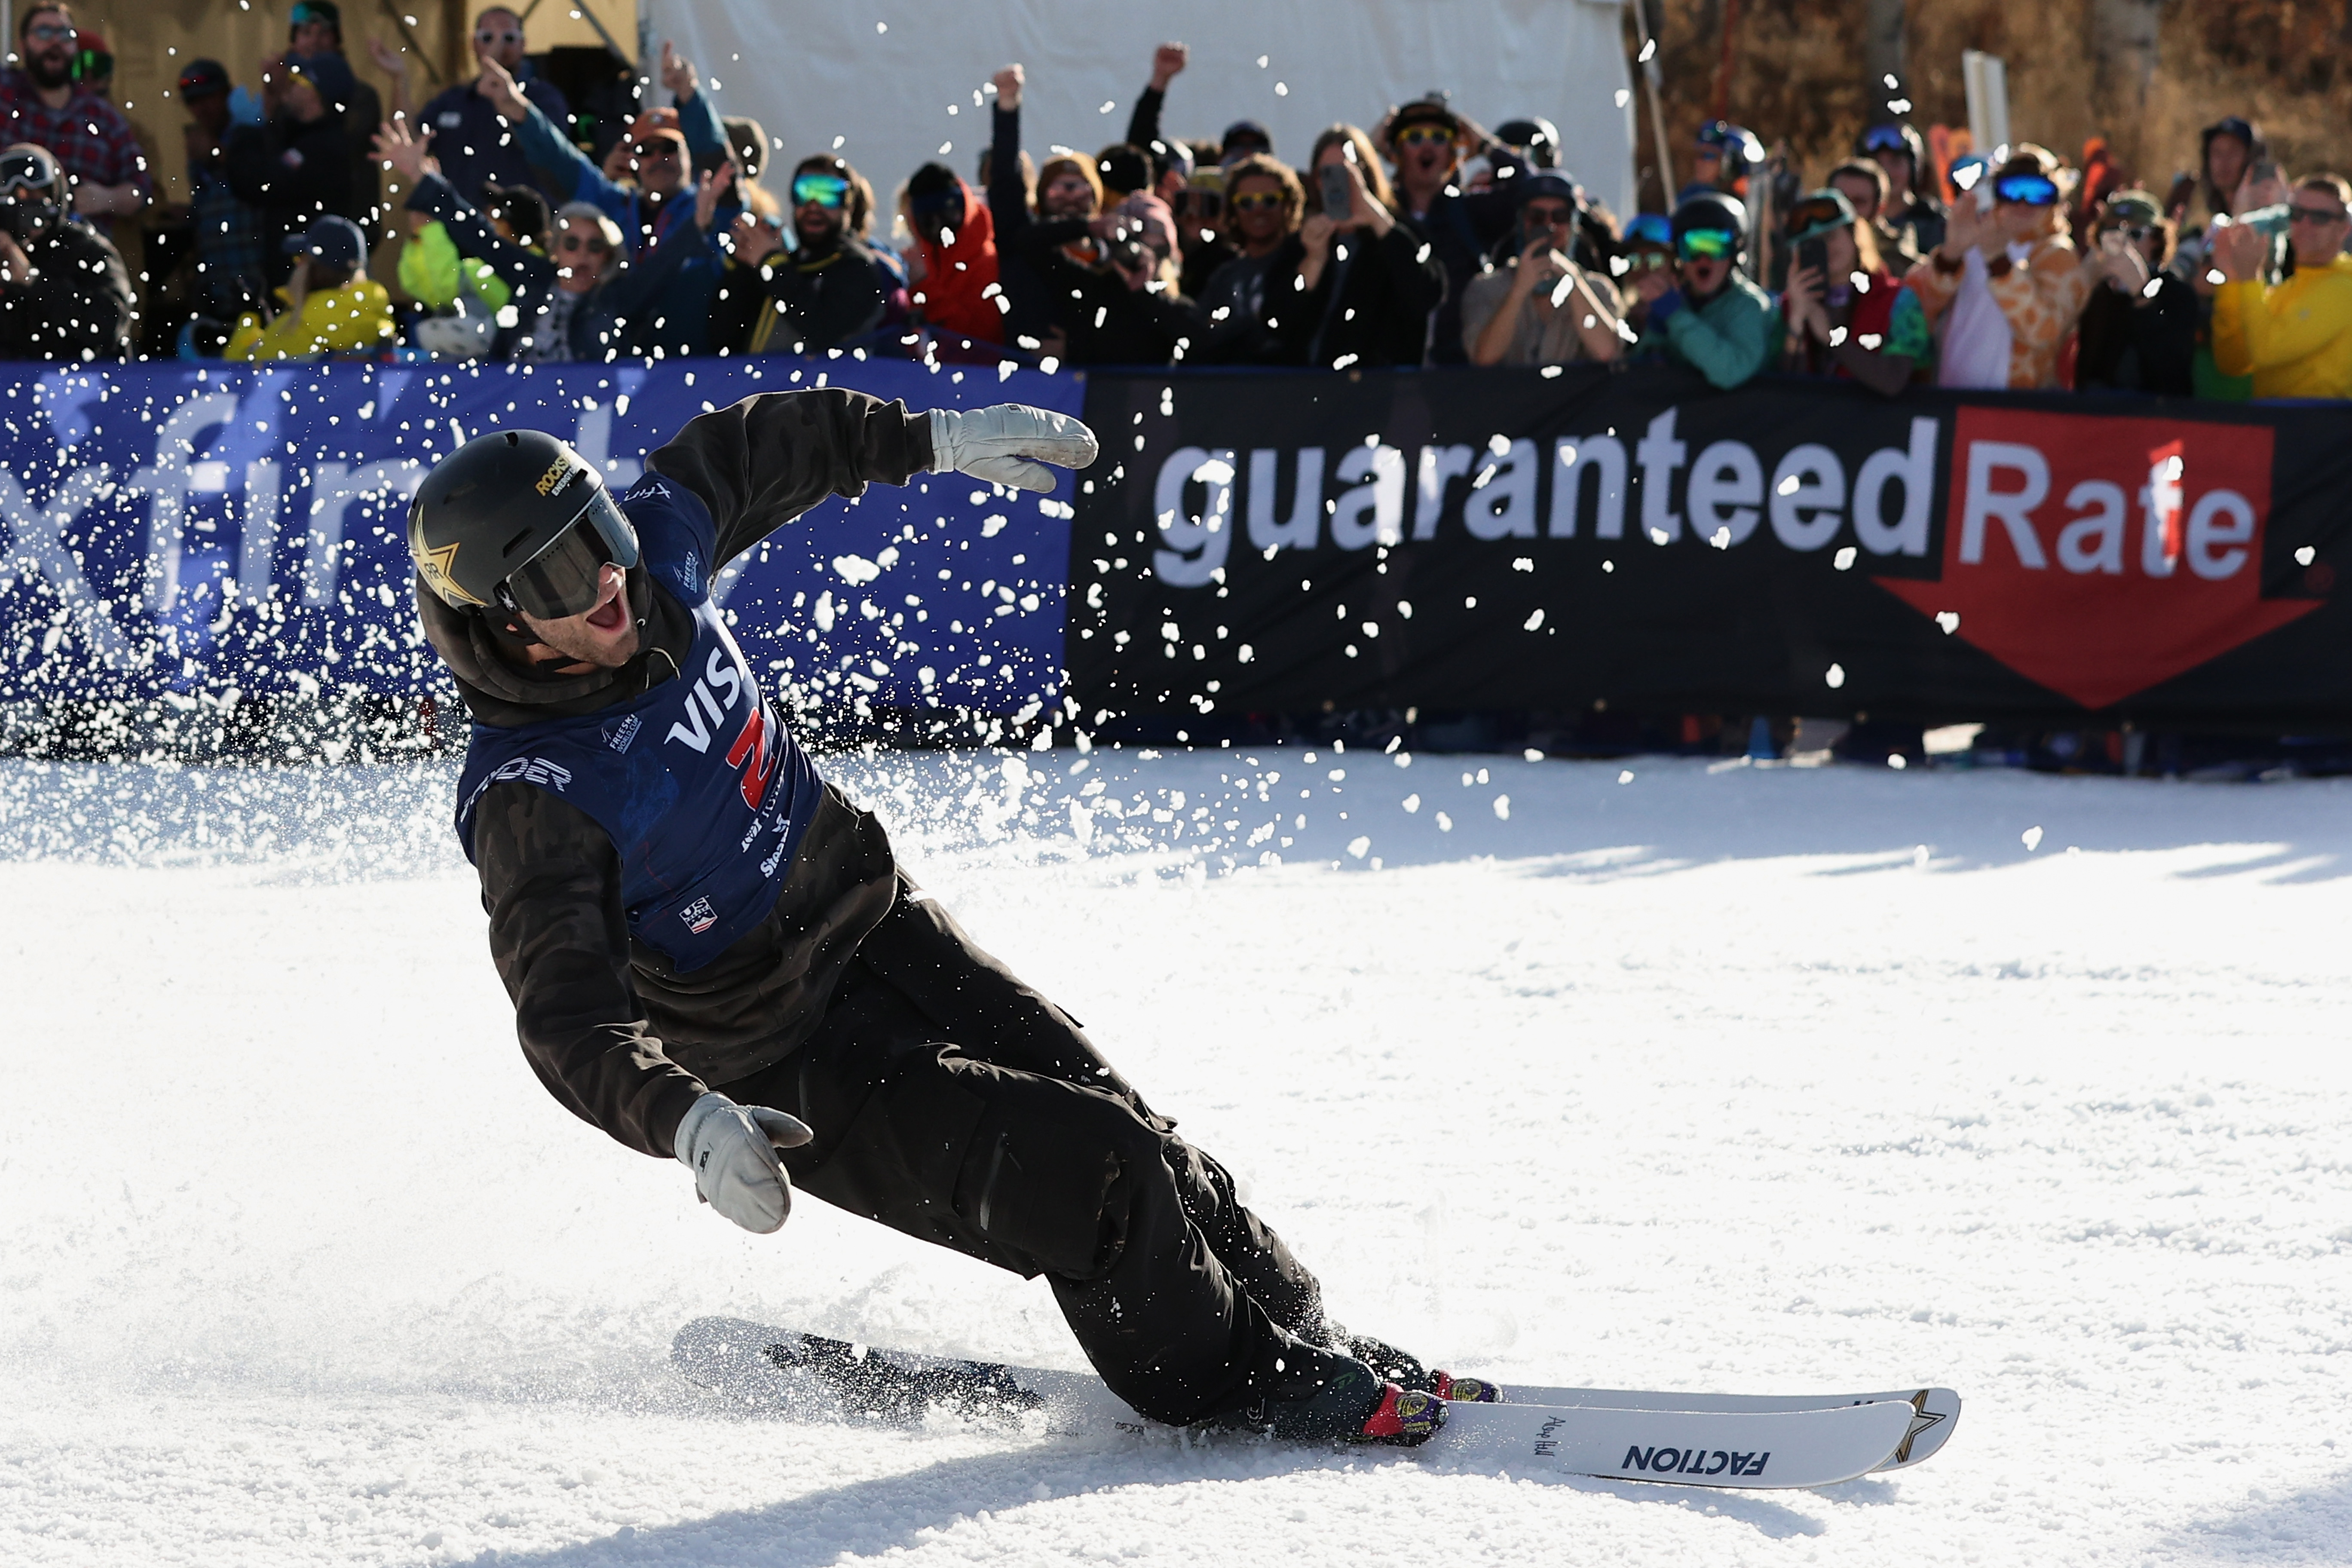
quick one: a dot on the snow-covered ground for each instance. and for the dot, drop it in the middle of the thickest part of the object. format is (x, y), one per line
(1742, 1079)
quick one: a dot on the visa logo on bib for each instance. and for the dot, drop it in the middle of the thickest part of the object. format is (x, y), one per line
(2101, 556)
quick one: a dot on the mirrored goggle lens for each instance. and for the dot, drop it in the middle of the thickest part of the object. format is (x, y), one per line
(561, 580)
(1708, 242)
(2032, 190)
(1650, 228)
(1810, 216)
(824, 190)
(1884, 138)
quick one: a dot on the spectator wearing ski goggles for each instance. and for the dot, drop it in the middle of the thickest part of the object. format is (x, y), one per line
(1717, 321)
(1723, 156)
(2031, 269)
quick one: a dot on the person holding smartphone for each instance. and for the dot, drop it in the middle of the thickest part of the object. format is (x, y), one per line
(1367, 282)
(1540, 307)
(1845, 311)
(831, 288)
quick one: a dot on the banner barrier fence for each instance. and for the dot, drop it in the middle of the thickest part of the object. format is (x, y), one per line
(1558, 540)
(1261, 543)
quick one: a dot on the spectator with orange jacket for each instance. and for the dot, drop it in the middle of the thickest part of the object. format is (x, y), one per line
(951, 267)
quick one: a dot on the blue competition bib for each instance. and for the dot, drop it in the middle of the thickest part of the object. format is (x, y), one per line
(702, 791)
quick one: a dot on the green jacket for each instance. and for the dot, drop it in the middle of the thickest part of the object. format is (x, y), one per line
(435, 274)
(1728, 339)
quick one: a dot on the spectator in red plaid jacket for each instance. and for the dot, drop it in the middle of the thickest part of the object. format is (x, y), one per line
(44, 105)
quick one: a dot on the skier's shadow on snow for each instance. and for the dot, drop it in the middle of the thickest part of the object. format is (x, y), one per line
(870, 1517)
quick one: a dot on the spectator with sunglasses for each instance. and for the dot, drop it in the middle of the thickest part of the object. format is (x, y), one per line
(2139, 329)
(1540, 307)
(1427, 141)
(655, 207)
(64, 294)
(2294, 338)
(1264, 205)
(1909, 213)
(830, 289)
(1708, 315)
(41, 103)
(473, 142)
(2009, 282)
(1725, 155)
(1849, 316)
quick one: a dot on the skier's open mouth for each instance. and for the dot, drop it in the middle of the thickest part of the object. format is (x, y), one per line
(613, 613)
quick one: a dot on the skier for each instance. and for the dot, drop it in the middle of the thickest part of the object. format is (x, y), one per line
(712, 953)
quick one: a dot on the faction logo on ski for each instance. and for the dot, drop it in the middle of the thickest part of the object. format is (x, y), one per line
(2100, 555)
(1691, 1461)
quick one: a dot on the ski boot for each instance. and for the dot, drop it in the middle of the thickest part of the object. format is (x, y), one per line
(1317, 1394)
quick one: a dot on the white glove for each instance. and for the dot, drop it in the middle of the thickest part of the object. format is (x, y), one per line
(731, 1150)
(997, 444)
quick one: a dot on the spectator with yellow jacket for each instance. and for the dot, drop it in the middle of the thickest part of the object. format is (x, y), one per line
(2294, 337)
(333, 306)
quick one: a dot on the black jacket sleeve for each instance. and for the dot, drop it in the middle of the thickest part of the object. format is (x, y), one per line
(1143, 125)
(525, 271)
(1008, 198)
(552, 886)
(762, 462)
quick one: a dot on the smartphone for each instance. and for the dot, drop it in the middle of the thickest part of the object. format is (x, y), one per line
(1815, 254)
(1338, 199)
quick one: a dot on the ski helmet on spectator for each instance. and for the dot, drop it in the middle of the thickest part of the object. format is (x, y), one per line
(1710, 210)
(1538, 140)
(1736, 145)
(1893, 136)
(499, 522)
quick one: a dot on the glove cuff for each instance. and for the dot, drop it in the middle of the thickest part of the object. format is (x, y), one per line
(943, 436)
(689, 1126)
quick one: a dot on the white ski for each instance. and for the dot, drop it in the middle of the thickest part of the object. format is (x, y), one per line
(778, 1371)
(1935, 1412)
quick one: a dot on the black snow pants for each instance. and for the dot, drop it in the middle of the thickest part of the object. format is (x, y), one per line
(954, 1103)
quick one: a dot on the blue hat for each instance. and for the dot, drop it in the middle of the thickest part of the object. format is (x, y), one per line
(336, 241)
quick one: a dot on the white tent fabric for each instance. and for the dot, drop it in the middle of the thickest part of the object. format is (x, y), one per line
(894, 79)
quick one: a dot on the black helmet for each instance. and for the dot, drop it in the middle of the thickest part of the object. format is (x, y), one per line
(1537, 138)
(493, 524)
(1711, 210)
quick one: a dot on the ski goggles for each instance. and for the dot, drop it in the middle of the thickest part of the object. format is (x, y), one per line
(21, 172)
(1649, 228)
(568, 577)
(1884, 138)
(1817, 216)
(819, 190)
(2026, 190)
(1710, 244)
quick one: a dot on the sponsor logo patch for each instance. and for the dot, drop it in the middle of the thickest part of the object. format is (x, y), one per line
(698, 916)
(618, 736)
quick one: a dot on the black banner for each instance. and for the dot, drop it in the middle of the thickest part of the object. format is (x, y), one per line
(1514, 540)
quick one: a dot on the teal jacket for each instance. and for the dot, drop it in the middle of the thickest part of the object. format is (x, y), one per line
(1728, 339)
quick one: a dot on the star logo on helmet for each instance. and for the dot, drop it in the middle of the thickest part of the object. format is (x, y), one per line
(433, 564)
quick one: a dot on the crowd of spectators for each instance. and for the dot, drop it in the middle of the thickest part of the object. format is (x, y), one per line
(1424, 239)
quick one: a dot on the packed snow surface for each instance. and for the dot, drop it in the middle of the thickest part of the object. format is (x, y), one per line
(1638, 1074)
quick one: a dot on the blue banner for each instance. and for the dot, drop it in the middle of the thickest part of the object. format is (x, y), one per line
(172, 529)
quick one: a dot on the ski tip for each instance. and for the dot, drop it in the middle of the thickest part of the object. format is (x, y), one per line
(1935, 1416)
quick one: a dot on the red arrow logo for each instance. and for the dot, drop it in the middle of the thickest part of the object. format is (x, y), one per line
(2099, 555)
